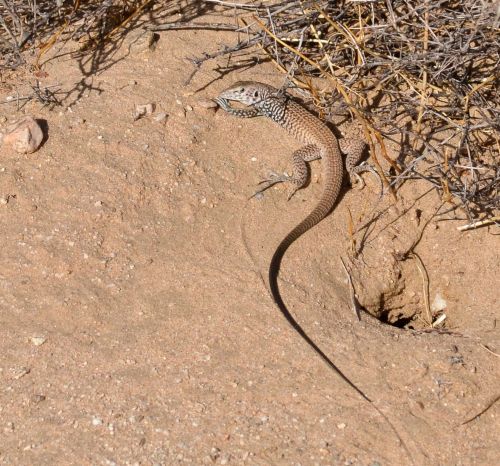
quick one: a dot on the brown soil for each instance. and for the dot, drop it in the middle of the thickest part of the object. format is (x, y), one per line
(134, 324)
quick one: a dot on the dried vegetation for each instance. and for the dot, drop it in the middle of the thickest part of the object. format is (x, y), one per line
(422, 74)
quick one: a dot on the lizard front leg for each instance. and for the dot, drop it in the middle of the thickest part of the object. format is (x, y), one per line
(299, 177)
(239, 112)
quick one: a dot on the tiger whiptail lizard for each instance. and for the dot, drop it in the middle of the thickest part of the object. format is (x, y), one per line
(320, 143)
(265, 100)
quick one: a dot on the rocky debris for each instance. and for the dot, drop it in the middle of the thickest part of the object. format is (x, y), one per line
(146, 42)
(439, 304)
(38, 341)
(143, 110)
(161, 117)
(25, 136)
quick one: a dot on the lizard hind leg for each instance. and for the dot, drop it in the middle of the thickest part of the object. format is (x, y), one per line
(354, 148)
(300, 172)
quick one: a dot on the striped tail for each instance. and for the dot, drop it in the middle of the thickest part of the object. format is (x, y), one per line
(325, 204)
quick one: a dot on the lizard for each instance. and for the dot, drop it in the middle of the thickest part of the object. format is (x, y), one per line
(320, 143)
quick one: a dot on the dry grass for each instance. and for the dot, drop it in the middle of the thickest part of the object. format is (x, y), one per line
(41, 24)
(422, 74)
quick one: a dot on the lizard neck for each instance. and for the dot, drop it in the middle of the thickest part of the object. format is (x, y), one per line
(274, 108)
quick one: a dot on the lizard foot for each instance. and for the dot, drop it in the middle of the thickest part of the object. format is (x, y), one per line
(361, 168)
(356, 181)
(292, 190)
(274, 178)
(222, 103)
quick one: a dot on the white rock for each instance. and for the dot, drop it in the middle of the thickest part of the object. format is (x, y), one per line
(439, 303)
(38, 341)
(24, 136)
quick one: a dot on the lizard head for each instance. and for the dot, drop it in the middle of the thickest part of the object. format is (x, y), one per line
(248, 92)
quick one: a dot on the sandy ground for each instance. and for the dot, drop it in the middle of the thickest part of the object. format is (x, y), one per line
(134, 324)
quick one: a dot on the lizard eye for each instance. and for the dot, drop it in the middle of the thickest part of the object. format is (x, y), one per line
(242, 89)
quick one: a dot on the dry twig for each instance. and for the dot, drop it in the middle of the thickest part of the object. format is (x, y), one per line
(423, 73)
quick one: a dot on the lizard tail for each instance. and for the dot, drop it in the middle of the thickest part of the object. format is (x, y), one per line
(275, 292)
(323, 207)
(325, 204)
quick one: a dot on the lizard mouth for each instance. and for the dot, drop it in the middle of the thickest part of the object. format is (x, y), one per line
(228, 95)
(234, 102)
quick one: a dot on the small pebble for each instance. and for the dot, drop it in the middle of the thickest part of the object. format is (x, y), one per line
(161, 117)
(38, 341)
(96, 421)
(10, 427)
(146, 42)
(136, 418)
(21, 372)
(37, 398)
(439, 304)
(214, 453)
(25, 136)
(143, 110)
